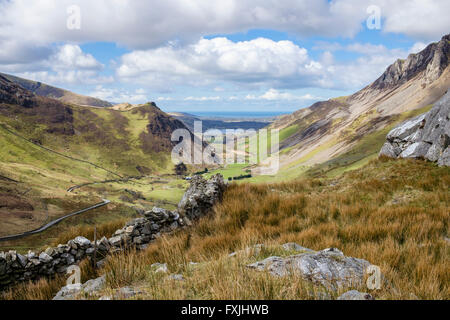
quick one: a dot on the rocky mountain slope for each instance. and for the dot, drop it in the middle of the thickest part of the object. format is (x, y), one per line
(44, 90)
(347, 131)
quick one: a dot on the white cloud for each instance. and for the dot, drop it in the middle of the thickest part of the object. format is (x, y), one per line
(29, 24)
(202, 98)
(417, 47)
(122, 21)
(166, 36)
(119, 96)
(165, 99)
(275, 95)
(251, 62)
(421, 19)
(65, 64)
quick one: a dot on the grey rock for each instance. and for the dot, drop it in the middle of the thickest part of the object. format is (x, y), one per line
(82, 242)
(254, 250)
(159, 267)
(31, 255)
(126, 293)
(45, 258)
(201, 196)
(329, 268)
(176, 277)
(389, 150)
(424, 137)
(70, 260)
(50, 251)
(23, 260)
(417, 150)
(116, 241)
(355, 295)
(94, 285)
(291, 246)
(68, 292)
(406, 129)
(73, 291)
(444, 160)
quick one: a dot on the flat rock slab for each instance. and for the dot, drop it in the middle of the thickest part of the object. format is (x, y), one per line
(329, 268)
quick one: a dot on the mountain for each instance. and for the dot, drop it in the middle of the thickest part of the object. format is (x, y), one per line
(48, 147)
(47, 91)
(346, 132)
(96, 134)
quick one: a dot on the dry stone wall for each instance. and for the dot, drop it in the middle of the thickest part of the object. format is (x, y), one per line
(138, 233)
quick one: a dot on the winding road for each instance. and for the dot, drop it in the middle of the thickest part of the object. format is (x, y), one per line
(54, 222)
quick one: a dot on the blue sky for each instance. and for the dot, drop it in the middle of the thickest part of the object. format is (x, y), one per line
(214, 56)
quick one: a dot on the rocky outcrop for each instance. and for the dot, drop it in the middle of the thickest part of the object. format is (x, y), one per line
(71, 292)
(201, 196)
(424, 137)
(137, 233)
(432, 61)
(329, 268)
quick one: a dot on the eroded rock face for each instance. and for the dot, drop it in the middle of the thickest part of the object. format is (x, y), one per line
(432, 61)
(424, 137)
(201, 196)
(329, 268)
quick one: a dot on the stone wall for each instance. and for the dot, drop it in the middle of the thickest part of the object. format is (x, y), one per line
(138, 233)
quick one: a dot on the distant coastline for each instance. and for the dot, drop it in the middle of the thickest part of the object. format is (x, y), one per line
(238, 115)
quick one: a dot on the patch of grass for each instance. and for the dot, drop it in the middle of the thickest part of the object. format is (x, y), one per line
(230, 171)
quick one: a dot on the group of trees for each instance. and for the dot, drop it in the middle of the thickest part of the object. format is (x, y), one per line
(181, 170)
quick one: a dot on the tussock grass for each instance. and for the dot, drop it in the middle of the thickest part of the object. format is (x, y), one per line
(394, 214)
(106, 229)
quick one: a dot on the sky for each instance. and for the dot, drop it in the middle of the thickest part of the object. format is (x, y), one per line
(214, 55)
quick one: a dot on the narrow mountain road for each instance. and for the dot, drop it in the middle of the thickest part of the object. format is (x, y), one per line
(54, 222)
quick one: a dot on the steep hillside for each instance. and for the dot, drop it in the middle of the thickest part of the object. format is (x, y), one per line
(348, 131)
(47, 91)
(47, 147)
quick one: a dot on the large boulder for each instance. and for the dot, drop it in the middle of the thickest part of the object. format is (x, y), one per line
(424, 137)
(74, 291)
(329, 268)
(201, 196)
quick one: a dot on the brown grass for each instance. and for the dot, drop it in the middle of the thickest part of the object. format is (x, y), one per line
(392, 213)
(103, 230)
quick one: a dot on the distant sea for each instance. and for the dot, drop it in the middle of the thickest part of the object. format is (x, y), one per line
(238, 115)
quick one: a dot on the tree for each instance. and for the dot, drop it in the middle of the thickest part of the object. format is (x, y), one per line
(180, 169)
